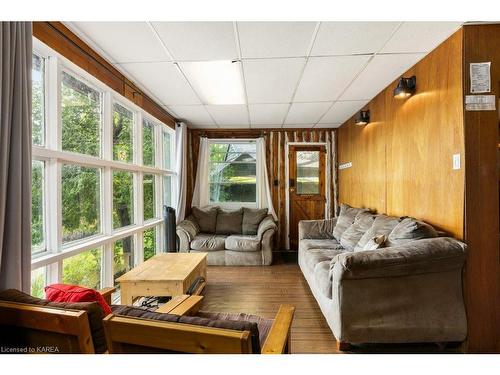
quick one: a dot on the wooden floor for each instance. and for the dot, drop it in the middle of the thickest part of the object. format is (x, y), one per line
(260, 291)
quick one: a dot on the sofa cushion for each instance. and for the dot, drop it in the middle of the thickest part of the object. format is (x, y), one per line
(243, 243)
(229, 222)
(320, 244)
(94, 313)
(312, 257)
(251, 219)
(206, 218)
(75, 293)
(410, 229)
(375, 243)
(345, 219)
(353, 234)
(323, 279)
(208, 242)
(382, 225)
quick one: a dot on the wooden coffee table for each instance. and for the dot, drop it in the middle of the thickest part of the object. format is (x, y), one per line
(166, 274)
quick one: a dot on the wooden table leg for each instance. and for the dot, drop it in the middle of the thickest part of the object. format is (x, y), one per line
(125, 295)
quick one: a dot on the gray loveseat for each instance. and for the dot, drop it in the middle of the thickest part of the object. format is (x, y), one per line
(383, 279)
(242, 237)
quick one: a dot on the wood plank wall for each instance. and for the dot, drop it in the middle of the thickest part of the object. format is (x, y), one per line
(482, 44)
(64, 41)
(276, 140)
(402, 160)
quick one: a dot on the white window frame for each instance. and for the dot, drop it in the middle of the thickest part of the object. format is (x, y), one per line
(258, 160)
(54, 157)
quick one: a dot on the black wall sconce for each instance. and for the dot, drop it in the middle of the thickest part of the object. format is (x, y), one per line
(363, 118)
(406, 87)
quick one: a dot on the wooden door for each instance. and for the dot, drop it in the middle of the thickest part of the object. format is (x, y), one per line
(307, 192)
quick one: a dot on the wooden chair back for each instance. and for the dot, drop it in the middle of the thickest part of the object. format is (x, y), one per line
(39, 329)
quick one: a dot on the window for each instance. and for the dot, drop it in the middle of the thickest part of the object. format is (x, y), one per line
(123, 122)
(308, 172)
(37, 207)
(167, 191)
(89, 184)
(38, 100)
(148, 143)
(149, 239)
(148, 183)
(81, 202)
(232, 172)
(123, 198)
(81, 116)
(84, 269)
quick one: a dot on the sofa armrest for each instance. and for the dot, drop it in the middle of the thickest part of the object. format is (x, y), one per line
(187, 230)
(278, 338)
(429, 255)
(316, 229)
(106, 293)
(266, 224)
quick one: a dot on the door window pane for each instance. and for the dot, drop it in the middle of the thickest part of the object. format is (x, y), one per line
(81, 202)
(38, 282)
(38, 100)
(307, 172)
(148, 183)
(84, 269)
(232, 172)
(123, 122)
(81, 116)
(123, 199)
(148, 143)
(123, 257)
(37, 207)
(167, 190)
(167, 149)
(149, 238)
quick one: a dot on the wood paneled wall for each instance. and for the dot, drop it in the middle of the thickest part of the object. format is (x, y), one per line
(276, 140)
(64, 41)
(402, 160)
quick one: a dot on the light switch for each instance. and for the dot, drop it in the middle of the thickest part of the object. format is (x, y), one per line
(456, 161)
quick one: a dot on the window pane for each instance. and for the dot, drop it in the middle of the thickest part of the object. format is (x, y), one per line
(123, 122)
(81, 116)
(148, 183)
(232, 174)
(37, 207)
(38, 100)
(148, 145)
(83, 269)
(307, 172)
(38, 282)
(167, 190)
(81, 202)
(123, 199)
(149, 239)
(167, 149)
(123, 257)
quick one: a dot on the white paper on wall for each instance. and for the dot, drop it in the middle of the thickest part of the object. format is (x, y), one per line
(480, 102)
(480, 79)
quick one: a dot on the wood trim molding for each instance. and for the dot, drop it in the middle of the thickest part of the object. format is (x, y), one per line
(64, 41)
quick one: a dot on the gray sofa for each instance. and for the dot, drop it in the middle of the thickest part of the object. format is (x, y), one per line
(383, 279)
(243, 237)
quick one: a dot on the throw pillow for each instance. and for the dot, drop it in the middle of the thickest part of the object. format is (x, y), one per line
(75, 293)
(382, 224)
(375, 243)
(206, 218)
(229, 222)
(410, 229)
(353, 234)
(345, 219)
(251, 219)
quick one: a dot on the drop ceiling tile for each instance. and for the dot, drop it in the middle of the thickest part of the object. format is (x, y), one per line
(326, 126)
(342, 111)
(261, 114)
(267, 126)
(325, 78)
(348, 38)
(235, 126)
(203, 126)
(306, 113)
(198, 40)
(420, 36)
(275, 39)
(193, 114)
(139, 45)
(164, 81)
(272, 81)
(229, 114)
(380, 72)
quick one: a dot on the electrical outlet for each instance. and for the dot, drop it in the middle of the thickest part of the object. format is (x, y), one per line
(456, 161)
